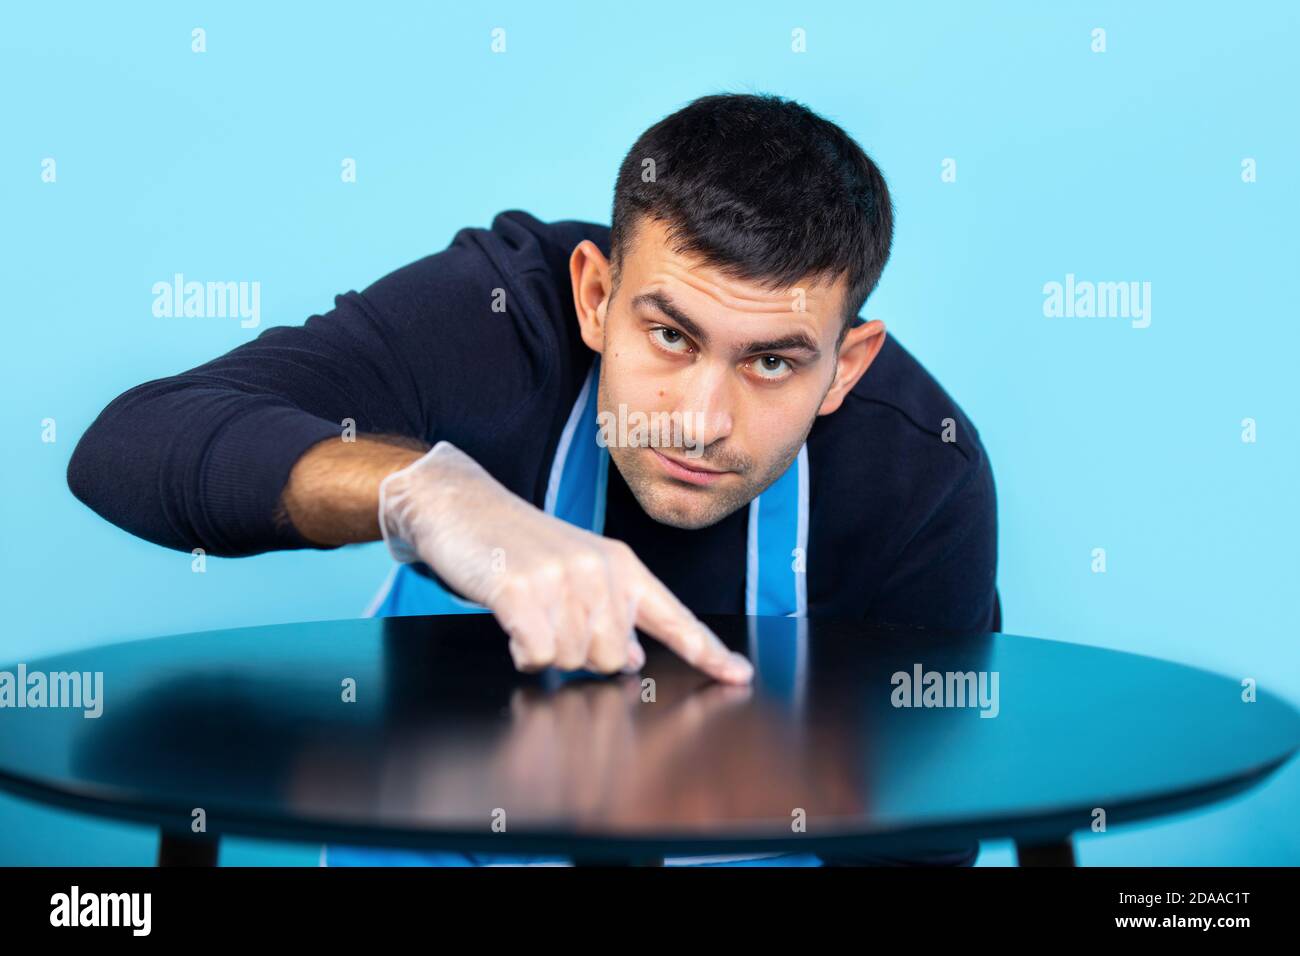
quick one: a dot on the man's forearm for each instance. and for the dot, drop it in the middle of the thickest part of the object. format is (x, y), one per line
(332, 495)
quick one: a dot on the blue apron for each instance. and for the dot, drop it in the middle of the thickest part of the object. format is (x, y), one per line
(775, 586)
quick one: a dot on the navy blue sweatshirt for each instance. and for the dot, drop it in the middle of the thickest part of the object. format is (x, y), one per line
(902, 523)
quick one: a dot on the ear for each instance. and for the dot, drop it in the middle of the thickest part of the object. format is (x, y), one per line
(861, 345)
(589, 274)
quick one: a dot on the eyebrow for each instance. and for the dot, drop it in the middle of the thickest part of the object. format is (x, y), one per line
(795, 341)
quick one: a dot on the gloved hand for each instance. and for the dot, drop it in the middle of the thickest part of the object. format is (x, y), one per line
(566, 597)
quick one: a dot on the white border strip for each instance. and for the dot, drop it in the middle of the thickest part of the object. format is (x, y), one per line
(751, 560)
(566, 439)
(381, 595)
(801, 580)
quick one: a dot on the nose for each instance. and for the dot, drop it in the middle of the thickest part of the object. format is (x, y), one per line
(705, 403)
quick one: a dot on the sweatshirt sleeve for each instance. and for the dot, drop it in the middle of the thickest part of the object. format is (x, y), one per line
(945, 578)
(200, 459)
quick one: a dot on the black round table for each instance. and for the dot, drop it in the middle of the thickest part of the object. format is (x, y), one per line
(418, 733)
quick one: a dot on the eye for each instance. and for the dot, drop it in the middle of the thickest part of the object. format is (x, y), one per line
(772, 367)
(670, 340)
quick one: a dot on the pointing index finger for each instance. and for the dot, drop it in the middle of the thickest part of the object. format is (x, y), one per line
(661, 615)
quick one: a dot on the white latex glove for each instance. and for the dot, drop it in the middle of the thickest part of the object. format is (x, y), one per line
(566, 597)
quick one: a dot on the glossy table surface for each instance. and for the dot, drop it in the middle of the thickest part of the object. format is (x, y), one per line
(447, 746)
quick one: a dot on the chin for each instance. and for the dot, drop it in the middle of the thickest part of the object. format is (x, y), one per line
(685, 522)
(680, 508)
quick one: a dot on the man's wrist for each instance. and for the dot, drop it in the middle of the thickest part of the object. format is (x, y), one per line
(332, 493)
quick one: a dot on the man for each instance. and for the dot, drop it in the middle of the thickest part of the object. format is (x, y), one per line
(812, 468)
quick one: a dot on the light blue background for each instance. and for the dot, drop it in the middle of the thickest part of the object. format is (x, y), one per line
(1116, 166)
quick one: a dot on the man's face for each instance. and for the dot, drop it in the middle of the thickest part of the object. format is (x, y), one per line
(734, 375)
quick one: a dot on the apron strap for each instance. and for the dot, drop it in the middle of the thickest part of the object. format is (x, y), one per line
(575, 491)
(776, 553)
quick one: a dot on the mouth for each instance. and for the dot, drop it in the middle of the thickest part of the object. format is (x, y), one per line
(695, 476)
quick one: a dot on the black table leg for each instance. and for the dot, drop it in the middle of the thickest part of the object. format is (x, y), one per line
(1046, 854)
(175, 849)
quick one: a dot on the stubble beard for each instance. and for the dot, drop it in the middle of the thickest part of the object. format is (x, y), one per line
(691, 507)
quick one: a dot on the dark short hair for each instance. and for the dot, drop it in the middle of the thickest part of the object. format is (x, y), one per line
(763, 189)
